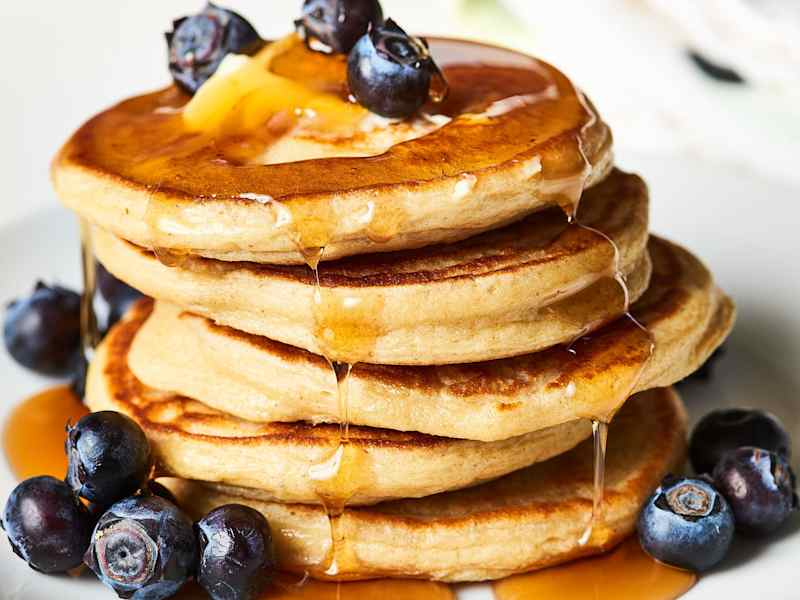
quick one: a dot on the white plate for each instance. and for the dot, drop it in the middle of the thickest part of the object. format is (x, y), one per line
(744, 228)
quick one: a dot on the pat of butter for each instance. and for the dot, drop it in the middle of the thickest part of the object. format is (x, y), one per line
(243, 94)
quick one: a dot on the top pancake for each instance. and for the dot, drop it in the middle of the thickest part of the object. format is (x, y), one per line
(520, 137)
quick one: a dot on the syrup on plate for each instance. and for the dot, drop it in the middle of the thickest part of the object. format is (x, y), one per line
(626, 573)
(34, 435)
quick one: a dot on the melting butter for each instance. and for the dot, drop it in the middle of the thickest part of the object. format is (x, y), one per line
(244, 93)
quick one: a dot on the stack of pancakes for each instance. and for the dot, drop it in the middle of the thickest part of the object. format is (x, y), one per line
(407, 360)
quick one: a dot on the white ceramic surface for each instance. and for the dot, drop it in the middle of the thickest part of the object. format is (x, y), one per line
(742, 225)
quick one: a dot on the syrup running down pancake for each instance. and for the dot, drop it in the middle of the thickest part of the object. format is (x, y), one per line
(527, 520)
(261, 380)
(516, 290)
(300, 462)
(513, 136)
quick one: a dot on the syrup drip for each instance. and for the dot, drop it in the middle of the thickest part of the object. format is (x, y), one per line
(564, 181)
(34, 434)
(627, 573)
(90, 332)
(599, 444)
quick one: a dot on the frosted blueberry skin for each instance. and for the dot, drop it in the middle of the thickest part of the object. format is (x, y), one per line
(198, 44)
(43, 331)
(237, 559)
(109, 457)
(721, 431)
(760, 487)
(143, 548)
(390, 72)
(686, 523)
(46, 525)
(338, 24)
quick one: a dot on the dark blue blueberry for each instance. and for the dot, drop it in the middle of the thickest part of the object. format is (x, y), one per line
(43, 331)
(109, 457)
(47, 526)
(157, 489)
(237, 560)
(727, 429)
(118, 295)
(77, 382)
(759, 486)
(198, 44)
(686, 523)
(390, 72)
(338, 24)
(143, 548)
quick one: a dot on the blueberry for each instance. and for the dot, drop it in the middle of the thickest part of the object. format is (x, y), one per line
(143, 548)
(759, 486)
(47, 526)
(237, 559)
(338, 24)
(728, 429)
(77, 382)
(43, 331)
(109, 457)
(118, 295)
(686, 523)
(156, 489)
(198, 44)
(390, 72)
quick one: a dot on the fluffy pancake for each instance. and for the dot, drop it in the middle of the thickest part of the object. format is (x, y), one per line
(523, 288)
(257, 379)
(527, 520)
(519, 137)
(288, 460)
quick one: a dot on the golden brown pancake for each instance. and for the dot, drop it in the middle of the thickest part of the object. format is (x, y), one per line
(294, 462)
(527, 520)
(255, 378)
(523, 288)
(519, 137)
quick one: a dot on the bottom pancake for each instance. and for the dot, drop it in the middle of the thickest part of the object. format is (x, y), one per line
(530, 519)
(299, 462)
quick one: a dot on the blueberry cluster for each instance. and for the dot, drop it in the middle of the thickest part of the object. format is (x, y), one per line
(746, 486)
(128, 529)
(43, 331)
(388, 71)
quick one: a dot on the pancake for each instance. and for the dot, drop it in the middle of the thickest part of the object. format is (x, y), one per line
(527, 520)
(523, 288)
(518, 137)
(295, 462)
(257, 379)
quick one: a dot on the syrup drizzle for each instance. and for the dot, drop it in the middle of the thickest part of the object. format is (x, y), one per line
(626, 573)
(599, 444)
(564, 181)
(90, 332)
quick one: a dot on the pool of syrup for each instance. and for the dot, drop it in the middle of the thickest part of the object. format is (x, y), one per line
(34, 435)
